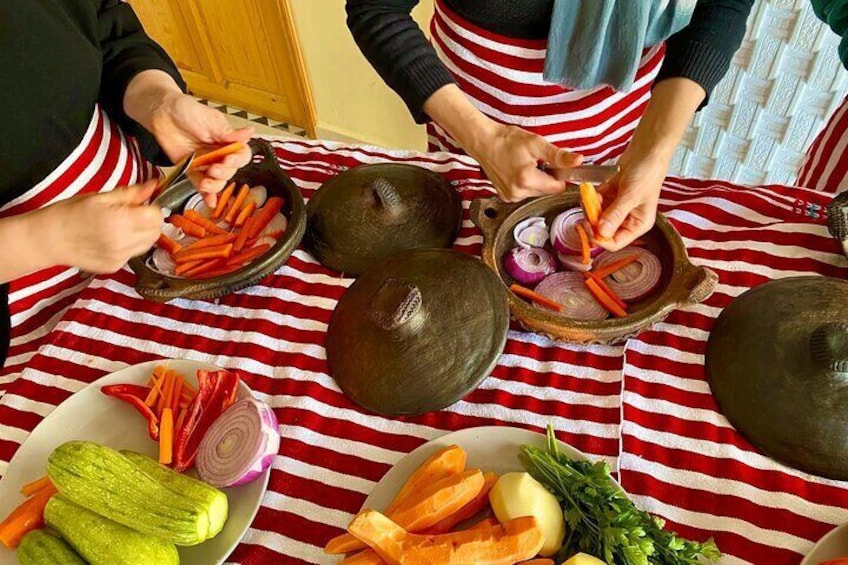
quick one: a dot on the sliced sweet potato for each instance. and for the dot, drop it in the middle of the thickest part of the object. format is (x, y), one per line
(364, 557)
(489, 522)
(540, 561)
(426, 507)
(447, 461)
(517, 540)
(468, 511)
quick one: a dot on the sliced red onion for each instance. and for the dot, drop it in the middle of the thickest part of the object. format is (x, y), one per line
(276, 226)
(529, 265)
(574, 262)
(259, 194)
(569, 290)
(239, 445)
(564, 236)
(532, 232)
(636, 280)
(197, 204)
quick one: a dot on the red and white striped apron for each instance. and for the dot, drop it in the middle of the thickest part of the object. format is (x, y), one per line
(503, 77)
(104, 159)
(826, 166)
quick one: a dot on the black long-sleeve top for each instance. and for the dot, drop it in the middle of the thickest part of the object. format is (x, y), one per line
(57, 59)
(397, 48)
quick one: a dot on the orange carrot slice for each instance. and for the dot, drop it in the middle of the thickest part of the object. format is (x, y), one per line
(205, 267)
(535, 297)
(25, 518)
(264, 216)
(166, 437)
(223, 200)
(215, 252)
(243, 235)
(246, 210)
(168, 244)
(591, 203)
(468, 511)
(585, 257)
(225, 270)
(607, 290)
(212, 241)
(200, 220)
(247, 255)
(155, 391)
(188, 227)
(449, 460)
(607, 270)
(30, 489)
(216, 155)
(604, 300)
(237, 203)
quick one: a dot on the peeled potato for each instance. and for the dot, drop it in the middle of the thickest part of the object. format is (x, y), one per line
(583, 559)
(518, 494)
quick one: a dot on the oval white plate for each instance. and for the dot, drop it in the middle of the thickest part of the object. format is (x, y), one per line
(91, 415)
(834, 544)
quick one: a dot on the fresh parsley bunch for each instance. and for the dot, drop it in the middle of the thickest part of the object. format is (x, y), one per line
(601, 520)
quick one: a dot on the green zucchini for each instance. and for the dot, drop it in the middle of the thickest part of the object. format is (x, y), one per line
(104, 481)
(210, 497)
(40, 548)
(101, 541)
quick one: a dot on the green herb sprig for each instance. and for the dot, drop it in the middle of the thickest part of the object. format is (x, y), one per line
(601, 520)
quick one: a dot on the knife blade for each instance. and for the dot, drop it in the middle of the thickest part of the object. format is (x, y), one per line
(584, 173)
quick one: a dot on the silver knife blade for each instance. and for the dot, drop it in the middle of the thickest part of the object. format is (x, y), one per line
(585, 173)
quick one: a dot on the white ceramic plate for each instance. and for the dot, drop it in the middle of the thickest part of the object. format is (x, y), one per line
(832, 545)
(91, 415)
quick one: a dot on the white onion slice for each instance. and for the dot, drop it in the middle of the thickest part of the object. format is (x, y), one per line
(564, 236)
(265, 239)
(574, 263)
(275, 226)
(636, 280)
(239, 445)
(259, 194)
(531, 232)
(197, 204)
(162, 261)
(172, 231)
(569, 291)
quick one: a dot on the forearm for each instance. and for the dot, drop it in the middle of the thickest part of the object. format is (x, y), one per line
(453, 111)
(146, 93)
(26, 248)
(673, 103)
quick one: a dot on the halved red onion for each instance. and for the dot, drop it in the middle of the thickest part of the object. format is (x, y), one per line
(259, 194)
(197, 204)
(574, 262)
(569, 290)
(564, 236)
(239, 445)
(529, 265)
(636, 280)
(531, 232)
(276, 226)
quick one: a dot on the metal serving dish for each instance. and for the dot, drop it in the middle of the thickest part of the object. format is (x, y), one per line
(681, 282)
(162, 288)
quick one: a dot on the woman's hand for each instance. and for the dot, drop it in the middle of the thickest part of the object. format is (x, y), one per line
(182, 125)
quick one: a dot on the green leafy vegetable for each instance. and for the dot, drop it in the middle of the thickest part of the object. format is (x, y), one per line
(601, 520)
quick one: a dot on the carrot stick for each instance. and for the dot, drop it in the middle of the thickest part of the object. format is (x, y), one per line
(605, 300)
(184, 268)
(189, 227)
(242, 237)
(212, 241)
(607, 270)
(155, 391)
(168, 244)
(264, 216)
(607, 290)
(200, 220)
(206, 266)
(275, 235)
(537, 298)
(213, 252)
(247, 255)
(591, 203)
(30, 489)
(225, 270)
(25, 518)
(162, 402)
(585, 258)
(216, 155)
(223, 200)
(246, 210)
(176, 393)
(236, 206)
(166, 437)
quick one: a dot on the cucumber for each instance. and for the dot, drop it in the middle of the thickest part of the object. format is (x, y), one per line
(208, 496)
(104, 481)
(103, 542)
(40, 548)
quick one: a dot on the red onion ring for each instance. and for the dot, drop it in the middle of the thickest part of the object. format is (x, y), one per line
(574, 263)
(531, 232)
(564, 236)
(636, 280)
(569, 290)
(529, 265)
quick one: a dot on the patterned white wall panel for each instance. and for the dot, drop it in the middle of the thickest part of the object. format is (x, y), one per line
(783, 84)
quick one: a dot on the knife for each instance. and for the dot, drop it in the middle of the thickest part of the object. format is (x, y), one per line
(584, 173)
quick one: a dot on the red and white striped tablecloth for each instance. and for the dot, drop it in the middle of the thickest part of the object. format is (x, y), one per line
(644, 406)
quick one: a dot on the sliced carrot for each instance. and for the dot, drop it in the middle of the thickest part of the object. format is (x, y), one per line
(364, 557)
(205, 267)
(586, 255)
(216, 155)
(165, 397)
(275, 234)
(223, 200)
(468, 511)
(184, 268)
(264, 216)
(607, 290)
(166, 437)
(449, 460)
(248, 255)
(25, 518)
(214, 252)
(225, 270)
(188, 227)
(591, 203)
(607, 270)
(535, 297)
(155, 391)
(30, 489)
(176, 393)
(237, 203)
(243, 235)
(168, 244)
(212, 241)
(246, 210)
(604, 300)
(201, 220)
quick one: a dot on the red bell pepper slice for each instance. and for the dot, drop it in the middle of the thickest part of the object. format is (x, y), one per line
(216, 391)
(134, 395)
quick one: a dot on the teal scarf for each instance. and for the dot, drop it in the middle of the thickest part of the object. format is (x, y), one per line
(600, 42)
(835, 14)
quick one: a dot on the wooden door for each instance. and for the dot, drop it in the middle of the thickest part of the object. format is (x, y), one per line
(239, 52)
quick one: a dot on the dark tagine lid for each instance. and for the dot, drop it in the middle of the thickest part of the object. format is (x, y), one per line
(417, 331)
(777, 363)
(370, 212)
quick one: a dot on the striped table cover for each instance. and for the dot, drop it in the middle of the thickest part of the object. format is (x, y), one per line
(644, 407)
